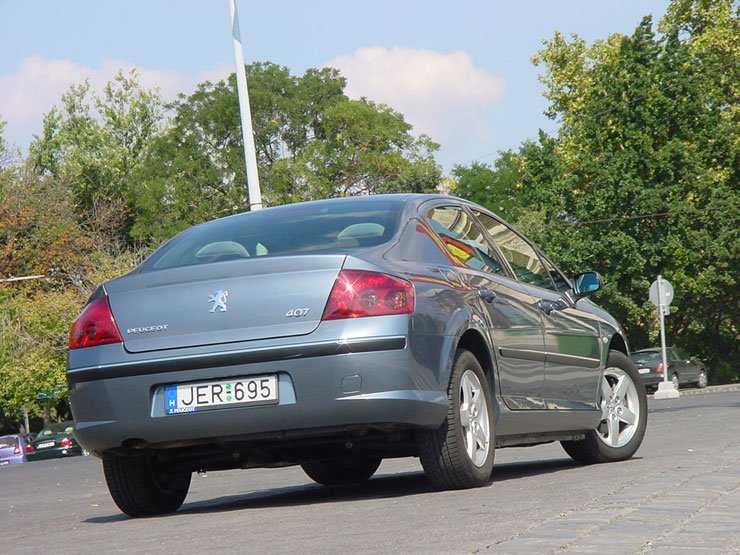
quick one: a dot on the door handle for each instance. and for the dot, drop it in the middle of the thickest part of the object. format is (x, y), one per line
(486, 294)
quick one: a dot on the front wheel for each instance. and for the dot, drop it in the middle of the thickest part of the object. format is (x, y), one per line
(623, 404)
(701, 382)
(142, 487)
(459, 454)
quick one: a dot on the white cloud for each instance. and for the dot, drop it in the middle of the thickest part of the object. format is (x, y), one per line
(38, 84)
(442, 95)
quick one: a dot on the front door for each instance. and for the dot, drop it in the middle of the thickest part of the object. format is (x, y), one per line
(571, 336)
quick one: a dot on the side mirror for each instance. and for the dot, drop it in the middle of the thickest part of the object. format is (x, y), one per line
(586, 284)
(583, 285)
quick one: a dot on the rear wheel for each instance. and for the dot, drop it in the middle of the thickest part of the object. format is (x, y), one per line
(459, 454)
(623, 405)
(338, 472)
(142, 487)
(701, 382)
(674, 379)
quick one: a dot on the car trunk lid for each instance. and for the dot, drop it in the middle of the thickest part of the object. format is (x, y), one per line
(224, 302)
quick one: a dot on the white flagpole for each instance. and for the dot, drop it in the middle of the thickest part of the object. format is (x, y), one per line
(250, 155)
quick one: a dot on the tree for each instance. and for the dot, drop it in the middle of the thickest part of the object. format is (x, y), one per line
(497, 188)
(40, 234)
(311, 142)
(642, 177)
(94, 144)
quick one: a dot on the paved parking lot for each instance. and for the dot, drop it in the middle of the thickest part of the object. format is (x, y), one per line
(680, 494)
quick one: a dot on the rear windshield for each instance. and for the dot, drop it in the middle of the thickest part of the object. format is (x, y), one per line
(56, 428)
(8, 441)
(646, 357)
(312, 228)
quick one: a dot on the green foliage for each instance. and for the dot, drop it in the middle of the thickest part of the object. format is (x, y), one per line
(311, 142)
(94, 144)
(40, 235)
(497, 188)
(642, 178)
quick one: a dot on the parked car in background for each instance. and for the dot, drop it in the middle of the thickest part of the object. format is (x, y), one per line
(12, 449)
(682, 369)
(336, 333)
(53, 442)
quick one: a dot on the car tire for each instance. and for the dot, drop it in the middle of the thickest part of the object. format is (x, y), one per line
(701, 382)
(141, 487)
(459, 454)
(623, 403)
(339, 472)
(675, 380)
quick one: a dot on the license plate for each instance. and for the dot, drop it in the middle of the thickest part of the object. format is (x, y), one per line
(643, 370)
(45, 444)
(196, 397)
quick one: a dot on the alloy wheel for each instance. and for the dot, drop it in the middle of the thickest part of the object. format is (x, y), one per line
(620, 408)
(474, 418)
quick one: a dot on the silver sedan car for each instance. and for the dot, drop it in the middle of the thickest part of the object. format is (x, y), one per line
(333, 334)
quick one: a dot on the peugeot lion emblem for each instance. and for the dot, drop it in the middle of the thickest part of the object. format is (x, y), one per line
(219, 301)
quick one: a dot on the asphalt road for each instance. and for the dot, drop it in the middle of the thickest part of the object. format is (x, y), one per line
(680, 494)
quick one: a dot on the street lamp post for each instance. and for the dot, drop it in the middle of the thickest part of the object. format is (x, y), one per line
(250, 156)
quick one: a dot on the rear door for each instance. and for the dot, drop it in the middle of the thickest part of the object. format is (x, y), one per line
(514, 324)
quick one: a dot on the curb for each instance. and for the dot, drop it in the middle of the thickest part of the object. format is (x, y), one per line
(707, 390)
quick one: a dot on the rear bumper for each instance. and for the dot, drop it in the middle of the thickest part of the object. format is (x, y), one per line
(651, 379)
(374, 383)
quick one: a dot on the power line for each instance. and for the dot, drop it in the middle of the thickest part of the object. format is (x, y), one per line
(22, 278)
(654, 215)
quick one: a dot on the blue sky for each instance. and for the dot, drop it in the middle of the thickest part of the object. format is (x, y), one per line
(459, 71)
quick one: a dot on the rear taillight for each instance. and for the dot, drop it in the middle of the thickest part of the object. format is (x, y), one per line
(94, 326)
(30, 448)
(359, 293)
(66, 442)
(659, 368)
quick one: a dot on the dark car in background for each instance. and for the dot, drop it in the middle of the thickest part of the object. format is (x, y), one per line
(54, 441)
(336, 333)
(682, 369)
(13, 449)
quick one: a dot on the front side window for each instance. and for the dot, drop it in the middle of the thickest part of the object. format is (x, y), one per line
(681, 354)
(463, 239)
(561, 284)
(522, 258)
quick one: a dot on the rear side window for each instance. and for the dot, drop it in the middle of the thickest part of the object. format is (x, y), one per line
(645, 357)
(463, 239)
(313, 228)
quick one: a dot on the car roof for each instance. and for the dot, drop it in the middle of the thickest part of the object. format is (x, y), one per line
(414, 199)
